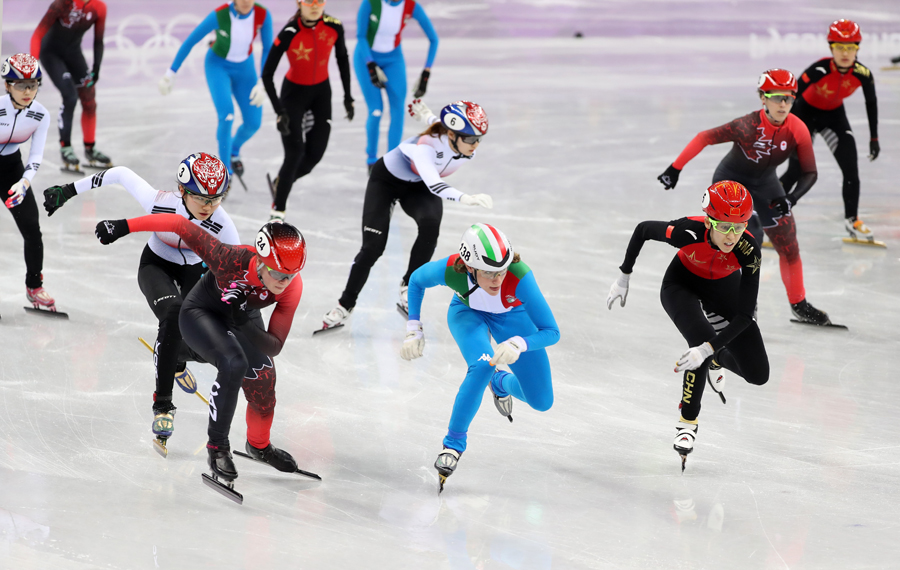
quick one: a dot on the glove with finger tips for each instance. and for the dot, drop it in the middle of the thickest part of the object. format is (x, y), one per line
(483, 200)
(421, 84)
(17, 193)
(56, 196)
(783, 204)
(874, 149)
(258, 94)
(669, 178)
(420, 112)
(414, 343)
(348, 106)
(376, 75)
(283, 123)
(694, 357)
(508, 351)
(619, 290)
(108, 231)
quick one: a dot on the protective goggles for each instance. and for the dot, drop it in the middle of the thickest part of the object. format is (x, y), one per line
(313, 3)
(279, 276)
(470, 139)
(779, 98)
(491, 275)
(23, 86)
(207, 201)
(737, 228)
(845, 48)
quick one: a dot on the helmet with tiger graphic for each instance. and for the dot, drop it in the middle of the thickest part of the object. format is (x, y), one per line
(486, 248)
(465, 118)
(203, 174)
(727, 201)
(844, 31)
(20, 67)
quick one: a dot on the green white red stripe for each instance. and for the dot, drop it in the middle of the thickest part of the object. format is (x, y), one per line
(493, 245)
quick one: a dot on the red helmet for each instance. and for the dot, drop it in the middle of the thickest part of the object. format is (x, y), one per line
(728, 201)
(844, 31)
(281, 247)
(777, 80)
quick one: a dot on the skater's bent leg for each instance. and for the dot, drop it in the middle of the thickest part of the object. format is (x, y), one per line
(427, 210)
(27, 220)
(531, 381)
(746, 356)
(784, 239)
(220, 91)
(165, 301)
(470, 331)
(243, 80)
(259, 389)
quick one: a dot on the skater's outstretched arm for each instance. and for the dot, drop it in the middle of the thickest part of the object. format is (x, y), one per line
(539, 312)
(806, 156)
(362, 30)
(209, 24)
(36, 153)
(429, 275)
(420, 16)
(270, 63)
(99, 30)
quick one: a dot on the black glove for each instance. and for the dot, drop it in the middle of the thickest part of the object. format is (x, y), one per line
(236, 299)
(95, 77)
(283, 123)
(874, 149)
(108, 231)
(422, 84)
(669, 178)
(375, 74)
(783, 204)
(348, 106)
(56, 196)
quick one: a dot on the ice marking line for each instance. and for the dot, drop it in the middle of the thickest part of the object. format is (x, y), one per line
(766, 534)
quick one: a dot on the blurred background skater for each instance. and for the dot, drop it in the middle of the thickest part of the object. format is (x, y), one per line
(230, 72)
(57, 43)
(379, 57)
(307, 39)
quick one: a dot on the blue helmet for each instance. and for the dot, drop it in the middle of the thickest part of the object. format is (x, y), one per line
(19, 67)
(465, 118)
(203, 174)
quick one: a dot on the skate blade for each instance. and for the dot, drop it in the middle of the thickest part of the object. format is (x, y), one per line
(442, 480)
(271, 186)
(767, 245)
(683, 462)
(868, 242)
(241, 180)
(222, 488)
(328, 329)
(826, 325)
(890, 68)
(298, 471)
(160, 447)
(48, 312)
(70, 169)
(99, 166)
(402, 311)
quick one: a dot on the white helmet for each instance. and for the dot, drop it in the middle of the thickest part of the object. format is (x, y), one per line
(485, 247)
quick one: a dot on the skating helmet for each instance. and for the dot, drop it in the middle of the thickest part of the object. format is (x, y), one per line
(203, 174)
(281, 247)
(844, 31)
(727, 201)
(485, 247)
(777, 80)
(20, 66)
(465, 118)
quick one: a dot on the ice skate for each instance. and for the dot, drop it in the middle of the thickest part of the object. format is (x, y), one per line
(806, 314)
(96, 159)
(716, 378)
(334, 319)
(42, 302)
(504, 404)
(685, 434)
(446, 464)
(272, 185)
(276, 215)
(237, 166)
(403, 305)
(860, 233)
(70, 162)
(222, 473)
(277, 458)
(163, 423)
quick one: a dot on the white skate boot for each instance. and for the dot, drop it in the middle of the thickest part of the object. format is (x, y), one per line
(334, 319)
(860, 233)
(403, 305)
(685, 435)
(43, 303)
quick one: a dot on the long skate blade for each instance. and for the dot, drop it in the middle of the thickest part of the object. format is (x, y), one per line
(890, 68)
(100, 166)
(329, 329)
(826, 325)
(48, 313)
(867, 242)
(64, 169)
(299, 471)
(222, 489)
(241, 180)
(402, 311)
(683, 462)
(271, 186)
(160, 447)
(442, 480)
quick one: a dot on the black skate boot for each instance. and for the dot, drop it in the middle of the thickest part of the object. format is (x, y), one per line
(96, 159)
(895, 60)
(446, 464)
(223, 472)
(163, 422)
(277, 458)
(805, 313)
(237, 166)
(69, 160)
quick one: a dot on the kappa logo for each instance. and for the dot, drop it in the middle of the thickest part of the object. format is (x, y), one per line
(484, 357)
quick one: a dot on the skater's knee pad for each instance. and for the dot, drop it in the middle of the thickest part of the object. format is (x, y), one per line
(259, 390)
(88, 100)
(784, 239)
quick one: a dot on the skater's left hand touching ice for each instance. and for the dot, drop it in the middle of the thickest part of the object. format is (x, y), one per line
(17, 193)
(694, 357)
(508, 351)
(414, 343)
(258, 94)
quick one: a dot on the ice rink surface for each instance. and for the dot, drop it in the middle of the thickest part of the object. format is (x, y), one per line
(802, 473)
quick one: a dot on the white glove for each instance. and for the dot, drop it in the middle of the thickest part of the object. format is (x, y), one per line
(619, 290)
(17, 193)
(694, 357)
(258, 94)
(420, 112)
(414, 343)
(482, 200)
(508, 351)
(167, 82)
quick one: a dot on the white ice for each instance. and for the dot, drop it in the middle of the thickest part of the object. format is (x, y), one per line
(801, 473)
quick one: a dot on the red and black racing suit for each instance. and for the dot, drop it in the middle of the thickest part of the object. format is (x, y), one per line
(711, 297)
